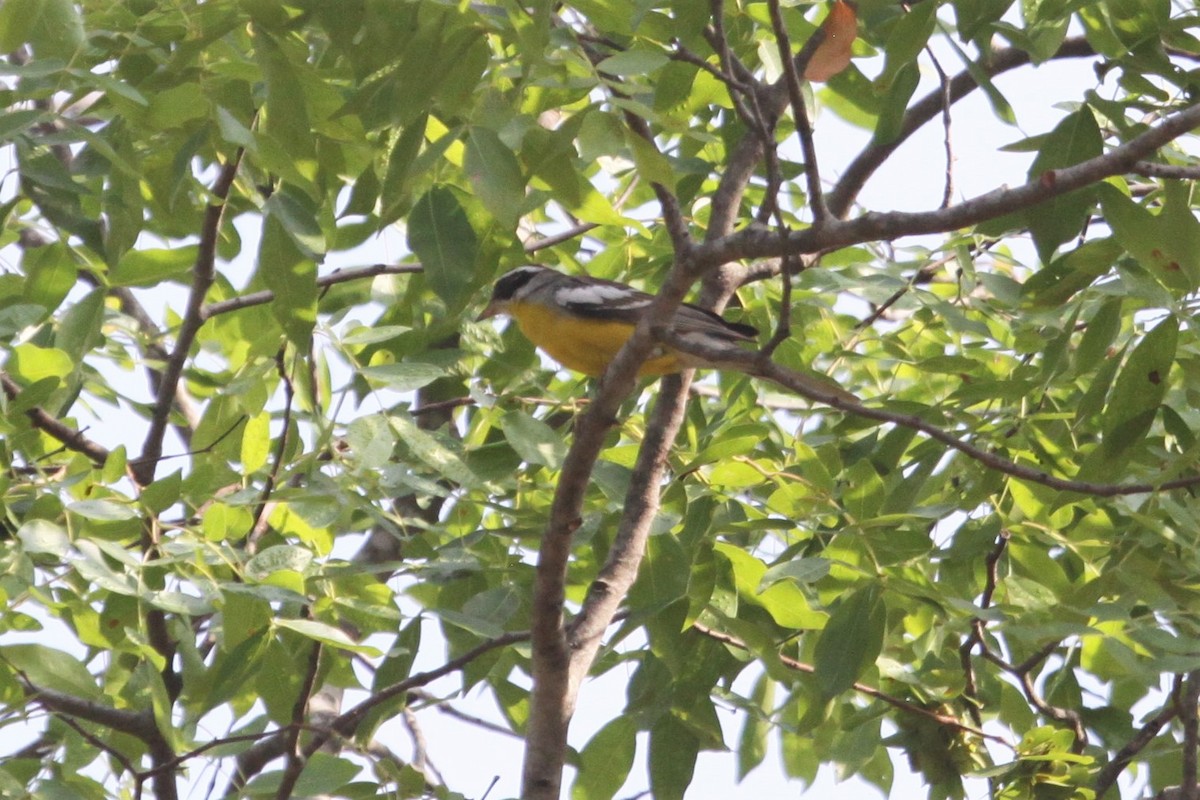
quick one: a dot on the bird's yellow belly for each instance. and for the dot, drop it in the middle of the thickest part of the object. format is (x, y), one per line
(586, 346)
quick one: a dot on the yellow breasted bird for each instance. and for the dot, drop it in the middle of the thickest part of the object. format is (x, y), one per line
(583, 322)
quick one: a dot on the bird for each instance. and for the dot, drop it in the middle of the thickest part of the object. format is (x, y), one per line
(582, 322)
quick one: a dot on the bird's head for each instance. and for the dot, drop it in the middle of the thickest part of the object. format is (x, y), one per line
(512, 285)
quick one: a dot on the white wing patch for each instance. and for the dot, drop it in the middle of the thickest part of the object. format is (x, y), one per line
(600, 294)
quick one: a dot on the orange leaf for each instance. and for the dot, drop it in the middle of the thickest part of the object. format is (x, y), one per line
(833, 54)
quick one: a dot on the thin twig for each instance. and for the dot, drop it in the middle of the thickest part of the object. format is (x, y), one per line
(730, 357)
(947, 142)
(978, 625)
(862, 688)
(281, 444)
(341, 276)
(791, 79)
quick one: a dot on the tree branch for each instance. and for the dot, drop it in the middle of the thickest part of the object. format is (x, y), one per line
(641, 506)
(1107, 777)
(252, 761)
(875, 226)
(870, 159)
(295, 758)
(56, 429)
(341, 276)
(791, 80)
(203, 274)
(1191, 735)
(1179, 172)
(869, 691)
(731, 357)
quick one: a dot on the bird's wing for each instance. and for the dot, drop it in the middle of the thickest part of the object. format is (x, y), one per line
(690, 319)
(601, 299)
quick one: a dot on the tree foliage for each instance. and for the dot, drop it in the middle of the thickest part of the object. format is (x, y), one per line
(250, 469)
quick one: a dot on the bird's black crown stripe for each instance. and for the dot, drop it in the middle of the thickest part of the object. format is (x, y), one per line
(510, 283)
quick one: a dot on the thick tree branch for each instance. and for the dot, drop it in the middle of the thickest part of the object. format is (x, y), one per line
(550, 700)
(56, 429)
(252, 761)
(1189, 697)
(1177, 172)
(140, 724)
(759, 242)
(1107, 777)
(864, 165)
(135, 723)
(203, 274)
(295, 759)
(641, 506)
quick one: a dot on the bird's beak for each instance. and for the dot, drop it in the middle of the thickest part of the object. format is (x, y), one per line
(492, 310)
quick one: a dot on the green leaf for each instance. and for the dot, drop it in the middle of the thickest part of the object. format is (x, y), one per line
(672, 761)
(605, 761)
(371, 441)
(786, 604)
(177, 106)
(639, 61)
(285, 114)
(102, 510)
(495, 175)
(433, 453)
(50, 273)
(906, 40)
(1075, 139)
(292, 277)
(299, 218)
(49, 668)
(800, 571)
(256, 442)
(1054, 285)
(895, 103)
(53, 27)
(325, 634)
(374, 335)
(1141, 384)
(79, 330)
(43, 536)
(221, 521)
(851, 640)
(406, 376)
(442, 237)
(153, 266)
(752, 748)
(398, 664)
(1101, 332)
(395, 191)
(31, 363)
(243, 617)
(279, 557)
(163, 493)
(325, 774)
(535, 441)
(562, 175)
